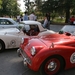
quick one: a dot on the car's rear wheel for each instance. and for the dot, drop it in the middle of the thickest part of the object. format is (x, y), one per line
(2, 46)
(52, 66)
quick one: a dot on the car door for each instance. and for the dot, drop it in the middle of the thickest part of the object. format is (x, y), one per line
(5, 23)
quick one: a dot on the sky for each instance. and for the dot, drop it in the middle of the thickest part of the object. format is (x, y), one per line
(22, 7)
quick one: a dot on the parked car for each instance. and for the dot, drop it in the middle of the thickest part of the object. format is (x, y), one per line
(49, 54)
(35, 27)
(68, 28)
(11, 37)
(8, 23)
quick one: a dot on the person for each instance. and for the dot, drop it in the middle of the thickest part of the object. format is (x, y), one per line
(25, 16)
(48, 19)
(45, 22)
(34, 30)
(32, 16)
(18, 18)
(72, 20)
(21, 17)
(48, 16)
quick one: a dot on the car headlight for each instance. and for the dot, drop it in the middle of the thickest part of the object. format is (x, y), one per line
(33, 51)
(22, 40)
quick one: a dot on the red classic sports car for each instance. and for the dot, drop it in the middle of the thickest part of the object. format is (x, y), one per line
(49, 54)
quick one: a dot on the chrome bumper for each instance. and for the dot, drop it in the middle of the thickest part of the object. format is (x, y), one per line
(26, 59)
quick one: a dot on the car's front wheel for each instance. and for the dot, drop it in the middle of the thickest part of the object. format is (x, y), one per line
(52, 66)
(2, 46)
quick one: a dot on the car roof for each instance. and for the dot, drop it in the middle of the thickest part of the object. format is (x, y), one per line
(31, 22)
(10, 19)
(5, 18)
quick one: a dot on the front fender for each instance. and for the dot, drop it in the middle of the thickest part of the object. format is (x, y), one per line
(63, 52)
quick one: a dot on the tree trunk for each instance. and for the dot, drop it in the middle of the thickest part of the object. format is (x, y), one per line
(67, 12)
(67, 15)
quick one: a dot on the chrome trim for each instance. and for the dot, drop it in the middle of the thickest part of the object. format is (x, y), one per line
(26, 59)
(18, 52)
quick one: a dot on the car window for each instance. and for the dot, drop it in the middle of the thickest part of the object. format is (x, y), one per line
(5, 22)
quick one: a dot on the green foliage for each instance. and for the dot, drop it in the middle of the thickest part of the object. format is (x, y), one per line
(59, 20)
(59, 6)
(9, 7)
(0, 3)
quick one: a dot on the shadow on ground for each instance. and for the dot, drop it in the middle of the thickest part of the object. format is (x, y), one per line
(67, 72)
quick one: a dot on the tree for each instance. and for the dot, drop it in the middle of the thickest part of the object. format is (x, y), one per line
(59, 6)
(38, 3)
(0, 3)
(29, 5)
(9, 7)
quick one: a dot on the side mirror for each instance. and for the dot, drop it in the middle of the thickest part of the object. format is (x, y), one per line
(61, 32)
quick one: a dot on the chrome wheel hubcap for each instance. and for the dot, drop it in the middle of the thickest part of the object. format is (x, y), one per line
(52, 66)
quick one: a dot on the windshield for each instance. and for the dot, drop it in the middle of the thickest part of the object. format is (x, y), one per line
(69, 28)
(14, 22)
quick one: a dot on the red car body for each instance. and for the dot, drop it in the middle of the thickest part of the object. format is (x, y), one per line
(49, 54)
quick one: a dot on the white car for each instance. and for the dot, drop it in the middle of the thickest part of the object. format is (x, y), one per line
(8, 23)
(12, 37)
(69, 29)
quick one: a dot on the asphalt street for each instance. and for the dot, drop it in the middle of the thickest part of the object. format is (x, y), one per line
(11, 64)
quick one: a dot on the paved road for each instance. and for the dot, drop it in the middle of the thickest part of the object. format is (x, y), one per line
(11, 64)
(56, 27)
